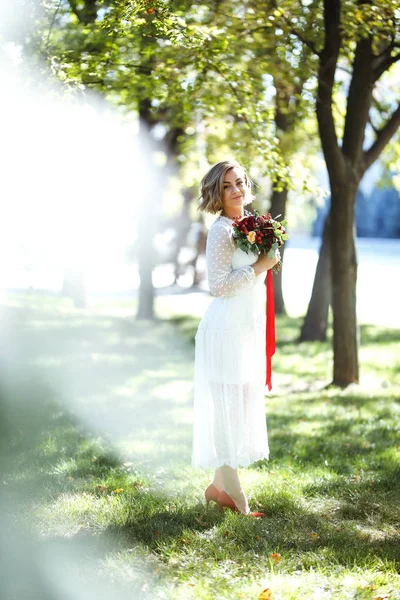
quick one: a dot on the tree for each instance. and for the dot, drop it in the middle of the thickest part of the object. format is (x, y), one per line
(374, 35)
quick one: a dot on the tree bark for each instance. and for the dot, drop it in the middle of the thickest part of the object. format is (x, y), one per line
(343, 164)
(344, 282)
(278, 207)
(316, 320)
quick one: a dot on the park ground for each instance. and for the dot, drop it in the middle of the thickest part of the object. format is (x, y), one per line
(98, 495)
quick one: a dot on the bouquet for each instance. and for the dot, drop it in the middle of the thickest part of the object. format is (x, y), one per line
(260, 234)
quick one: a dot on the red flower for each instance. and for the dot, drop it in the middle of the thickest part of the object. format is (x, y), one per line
(251, 222)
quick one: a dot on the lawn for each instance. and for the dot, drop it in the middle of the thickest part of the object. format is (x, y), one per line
(98, 495)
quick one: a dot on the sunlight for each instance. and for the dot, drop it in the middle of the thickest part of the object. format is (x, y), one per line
(74, 176)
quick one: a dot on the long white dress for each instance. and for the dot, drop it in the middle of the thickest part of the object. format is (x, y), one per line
(229, 383)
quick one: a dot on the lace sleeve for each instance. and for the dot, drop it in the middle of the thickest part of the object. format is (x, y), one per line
(222, 279)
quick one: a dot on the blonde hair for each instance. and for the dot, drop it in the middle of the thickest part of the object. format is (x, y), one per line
(212, 186)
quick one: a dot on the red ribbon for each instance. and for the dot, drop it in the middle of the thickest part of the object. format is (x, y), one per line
(270, 327)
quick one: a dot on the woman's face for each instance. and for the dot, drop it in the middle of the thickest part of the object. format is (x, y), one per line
(234, 191)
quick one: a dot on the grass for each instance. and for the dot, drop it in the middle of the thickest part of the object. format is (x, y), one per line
(96, 472)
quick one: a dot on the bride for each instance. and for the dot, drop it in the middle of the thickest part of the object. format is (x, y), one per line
(229, 412)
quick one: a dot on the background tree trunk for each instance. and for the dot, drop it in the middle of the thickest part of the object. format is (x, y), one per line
(182, 229)
(278, 207)
(316, 320)
(146, 289)
(144, 244)
(200, 249)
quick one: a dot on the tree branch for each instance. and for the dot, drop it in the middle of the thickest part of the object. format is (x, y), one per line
(326, 77)
(359, 98)
(384, 135)
(304, 40)
(375, 129)
(46, 50)
(384, 61)
(233, 89)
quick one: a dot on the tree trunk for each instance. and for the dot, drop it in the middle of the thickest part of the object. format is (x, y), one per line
(182, 229)
(316, 320)
(144, 243)
(278, 207)
(344, 282)
(146, 289)
(200, 250)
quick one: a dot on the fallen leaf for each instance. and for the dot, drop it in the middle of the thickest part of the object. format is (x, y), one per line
(314, 536)
(118, 490)
(276, 557)
(265, 594)
(156, 533)
(258, 538)
(382, 597)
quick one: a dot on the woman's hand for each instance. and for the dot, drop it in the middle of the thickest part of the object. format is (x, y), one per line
(264, 263)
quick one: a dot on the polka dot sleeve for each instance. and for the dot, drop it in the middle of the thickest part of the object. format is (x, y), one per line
(222, 279)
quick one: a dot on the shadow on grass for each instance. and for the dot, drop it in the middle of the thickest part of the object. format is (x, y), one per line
(286, 528)
(344, 442)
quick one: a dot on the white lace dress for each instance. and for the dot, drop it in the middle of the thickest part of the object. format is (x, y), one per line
(229, 402)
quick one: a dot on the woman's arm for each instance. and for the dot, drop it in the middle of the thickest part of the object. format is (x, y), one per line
(222, 279)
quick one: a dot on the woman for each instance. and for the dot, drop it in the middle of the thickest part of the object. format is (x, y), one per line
(229, 413)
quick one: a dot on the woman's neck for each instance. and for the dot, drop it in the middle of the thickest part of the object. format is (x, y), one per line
(232, 217)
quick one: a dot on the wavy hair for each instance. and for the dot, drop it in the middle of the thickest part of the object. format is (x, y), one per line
(212, 186)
